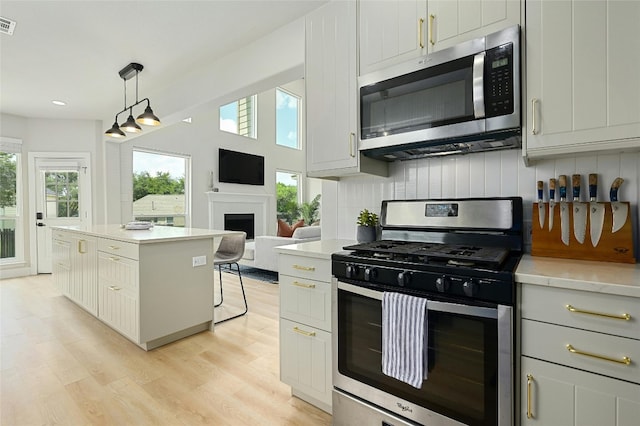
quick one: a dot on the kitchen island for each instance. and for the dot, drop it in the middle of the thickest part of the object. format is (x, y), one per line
(153, 286)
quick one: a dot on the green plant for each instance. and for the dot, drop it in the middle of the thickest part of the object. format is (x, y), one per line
(366, 218)
(309, 211)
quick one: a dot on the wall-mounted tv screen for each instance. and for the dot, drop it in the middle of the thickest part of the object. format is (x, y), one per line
(240, 167)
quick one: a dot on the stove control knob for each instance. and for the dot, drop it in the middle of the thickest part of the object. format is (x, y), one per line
(442, 284)
(352, 271)
(404, 278)
(370, 274)
(470, 288)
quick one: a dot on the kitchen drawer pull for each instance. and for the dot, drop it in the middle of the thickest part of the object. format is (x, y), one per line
(114, 288)
(431, 19)
(529, 383)
(625, 359)
(81, 243)
(420, 24)
(304, 268)
(303, 285)
(624, 317)
(114, 247)
(304, 333)
(114, 259)
(61, 243)
(534, 131)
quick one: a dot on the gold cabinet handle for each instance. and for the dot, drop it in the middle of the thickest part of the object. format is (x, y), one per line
(304, 268)
(352, 139)
(114, 288)
(625, 359)
(420, 24)
(81, 243)
(431, 19)
(114, 259)
(529, 383)
(303, 285)
(624, 317)
(114, 247)
(534, 130)
(304, 333)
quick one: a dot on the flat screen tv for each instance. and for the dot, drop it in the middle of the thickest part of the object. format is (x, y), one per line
(240, 167)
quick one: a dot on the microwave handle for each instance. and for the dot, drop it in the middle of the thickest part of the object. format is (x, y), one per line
(478, 85)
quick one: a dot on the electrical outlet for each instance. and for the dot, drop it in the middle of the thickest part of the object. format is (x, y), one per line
(528, 232)
(199, 261)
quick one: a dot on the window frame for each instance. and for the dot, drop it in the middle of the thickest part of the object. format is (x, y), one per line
(298, 146)
(253, 134)
(14, 146)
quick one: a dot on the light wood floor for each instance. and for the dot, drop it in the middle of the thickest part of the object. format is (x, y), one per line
(59, 365)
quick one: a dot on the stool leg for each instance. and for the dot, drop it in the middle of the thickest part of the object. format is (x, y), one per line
(244, 296)
(221, 296)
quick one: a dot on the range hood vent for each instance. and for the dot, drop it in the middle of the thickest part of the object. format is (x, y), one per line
(457, 146)
(7, 25)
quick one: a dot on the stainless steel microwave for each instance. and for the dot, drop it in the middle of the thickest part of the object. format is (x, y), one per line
(458, 100)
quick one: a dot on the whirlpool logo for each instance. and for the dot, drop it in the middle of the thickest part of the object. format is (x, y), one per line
(404, 408)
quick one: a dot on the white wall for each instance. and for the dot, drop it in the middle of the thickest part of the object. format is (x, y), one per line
(492, 174)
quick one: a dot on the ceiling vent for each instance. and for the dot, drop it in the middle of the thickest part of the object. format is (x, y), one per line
(7, 25)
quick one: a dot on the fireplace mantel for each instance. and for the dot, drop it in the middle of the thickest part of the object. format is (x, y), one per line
(232, 202)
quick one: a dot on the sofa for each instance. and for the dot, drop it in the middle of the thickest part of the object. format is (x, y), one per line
(259, 253)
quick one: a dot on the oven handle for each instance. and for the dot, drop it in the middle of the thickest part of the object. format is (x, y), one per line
(432, 305)
(478, 85)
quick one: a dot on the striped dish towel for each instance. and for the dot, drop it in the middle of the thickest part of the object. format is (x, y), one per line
(404, 338)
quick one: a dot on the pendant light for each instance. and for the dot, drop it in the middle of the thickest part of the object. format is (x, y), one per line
(147, 118)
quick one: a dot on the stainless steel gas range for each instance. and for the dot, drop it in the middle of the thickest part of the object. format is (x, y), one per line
(458, 257)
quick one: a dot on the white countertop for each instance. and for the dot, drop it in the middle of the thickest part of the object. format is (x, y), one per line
(144, 236)
(600, 277)
(321, 249)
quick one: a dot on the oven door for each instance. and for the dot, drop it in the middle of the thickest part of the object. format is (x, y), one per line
(470, 360)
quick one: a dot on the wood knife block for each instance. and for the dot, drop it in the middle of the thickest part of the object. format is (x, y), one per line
(612, 247)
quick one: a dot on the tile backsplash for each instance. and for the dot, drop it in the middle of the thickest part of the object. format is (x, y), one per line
(490, 174)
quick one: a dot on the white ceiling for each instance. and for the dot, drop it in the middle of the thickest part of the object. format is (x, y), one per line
(72, 50)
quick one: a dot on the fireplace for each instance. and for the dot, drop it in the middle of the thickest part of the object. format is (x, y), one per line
(261, 206)
(240, 222)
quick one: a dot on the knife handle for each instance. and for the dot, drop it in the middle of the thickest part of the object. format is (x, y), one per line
(562, 186)
(540, 189)
(613, 193)
(593, 186)
(552, 189)
(575, 184)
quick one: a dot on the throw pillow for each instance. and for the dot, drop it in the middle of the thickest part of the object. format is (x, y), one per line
(284, 230)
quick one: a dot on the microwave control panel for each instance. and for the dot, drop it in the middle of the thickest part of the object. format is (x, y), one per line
(498, 89)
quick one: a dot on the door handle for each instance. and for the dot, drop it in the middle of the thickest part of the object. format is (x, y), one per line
(41, 224)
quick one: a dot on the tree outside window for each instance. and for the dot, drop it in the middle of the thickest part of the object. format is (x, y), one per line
(8, 204)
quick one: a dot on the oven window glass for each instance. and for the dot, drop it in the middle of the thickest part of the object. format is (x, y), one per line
(431, 97)
(462, 360)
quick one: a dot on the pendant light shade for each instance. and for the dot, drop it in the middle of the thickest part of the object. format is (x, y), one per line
(148, 118)
(130, 125)
(115, 132)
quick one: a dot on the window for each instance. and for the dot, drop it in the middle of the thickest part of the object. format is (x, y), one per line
(160, 188)
(288, 195)
(287, 119)
(11, 223)
(239, 117)
(61, 194)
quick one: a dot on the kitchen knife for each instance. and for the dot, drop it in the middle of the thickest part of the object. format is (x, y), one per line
(564, 209)
(579, 211)
(619, 209)
(552, 201)
(540, 204)
(596, 211)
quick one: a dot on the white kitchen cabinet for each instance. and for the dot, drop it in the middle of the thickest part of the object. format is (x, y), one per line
(557, 395)
(453, 21)
(305, 278)
(331, 94)
(390, 32)
(395, 31)
(118, 298)
(583, 85)
(75, 268)
(579, 352)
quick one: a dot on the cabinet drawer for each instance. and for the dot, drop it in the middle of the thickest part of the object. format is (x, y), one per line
(595, 352)
(119, 248)
(61, 235)
(305, 267)
(119, 273)
(581, 309)
(306, 301)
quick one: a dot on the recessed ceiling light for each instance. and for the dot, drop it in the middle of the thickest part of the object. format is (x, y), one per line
(59, 103)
